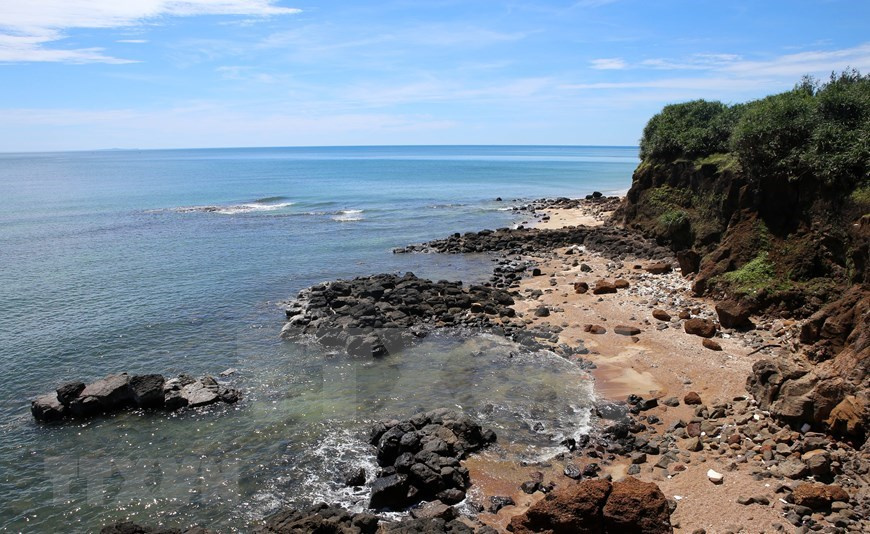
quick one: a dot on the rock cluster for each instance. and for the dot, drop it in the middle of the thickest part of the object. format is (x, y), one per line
(598, 507)
(610, 241)
(420, 457)
(825, 386)
(814, 479)
(370, 315)
(127, 527)
(121, 391)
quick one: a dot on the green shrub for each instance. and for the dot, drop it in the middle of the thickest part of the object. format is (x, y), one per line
(756, 275)
(672, 219)
(690, 130)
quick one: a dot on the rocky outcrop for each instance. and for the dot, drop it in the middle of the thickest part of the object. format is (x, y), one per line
(598, 507)
(377, 315)
(319, 518)
(420, 458)
(824, 386)
(612, 242)
(122, 391)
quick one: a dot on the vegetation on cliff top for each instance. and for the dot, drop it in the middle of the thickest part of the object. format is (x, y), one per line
(819, 130)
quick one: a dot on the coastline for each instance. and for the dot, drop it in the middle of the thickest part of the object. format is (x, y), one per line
(662, 361)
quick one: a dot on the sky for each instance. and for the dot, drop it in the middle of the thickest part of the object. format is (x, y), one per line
(98, 74)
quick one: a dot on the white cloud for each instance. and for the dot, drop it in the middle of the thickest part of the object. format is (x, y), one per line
(132, 41)
(28, 27)
(612, 63)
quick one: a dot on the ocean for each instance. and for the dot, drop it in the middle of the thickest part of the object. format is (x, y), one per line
(177, 261)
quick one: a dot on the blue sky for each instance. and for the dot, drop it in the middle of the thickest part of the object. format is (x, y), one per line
(88, 74)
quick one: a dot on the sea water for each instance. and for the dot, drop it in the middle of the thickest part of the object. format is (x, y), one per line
(176, 261)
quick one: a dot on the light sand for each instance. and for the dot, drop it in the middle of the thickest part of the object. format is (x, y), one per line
(658, 363)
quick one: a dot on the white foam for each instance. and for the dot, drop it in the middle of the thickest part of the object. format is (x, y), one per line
(235, 209)
(348, 216)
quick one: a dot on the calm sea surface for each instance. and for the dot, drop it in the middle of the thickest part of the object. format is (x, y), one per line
(176, 261)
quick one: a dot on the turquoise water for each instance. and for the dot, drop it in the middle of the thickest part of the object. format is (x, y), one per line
(176, 261)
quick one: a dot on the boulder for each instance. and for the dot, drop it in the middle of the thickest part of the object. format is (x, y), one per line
(819, 496)
(710, 344)
(661, 315)
(390, 492)
(598, 507)
(581, 287)
(594, 329)
(69, 392)
(576, 508)
(109, 394)
(624, 330)
(603, 287)
(47, 408)
(689, 261)
(635, 506)
(692, 398)
(658, 268)
(733, 314)
(201, 392)
(320, 518)
(147, 390)
(700, 327)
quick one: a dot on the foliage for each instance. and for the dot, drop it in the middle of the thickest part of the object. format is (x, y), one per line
(756, 275)
(691, 129)
(673, 219)
(816, 130)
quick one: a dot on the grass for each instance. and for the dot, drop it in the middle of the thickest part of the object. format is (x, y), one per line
(861, 195)
(757, 275)
(666, 197)
(672, 219)
(724, 161)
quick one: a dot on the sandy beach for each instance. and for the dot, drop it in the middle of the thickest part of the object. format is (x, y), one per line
(662, 361)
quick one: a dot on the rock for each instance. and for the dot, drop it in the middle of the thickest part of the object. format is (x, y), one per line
(715, 477)
(733, 314)
(356, 477)
(710, 344)
(635, 506)
(603, 287)
(390, 492)
(69, 392)
(147, 390)
(673, 402)
(792, 469)
(420, 458)
(620, 283)
(572, 471)
(700, 327)
(658, 268)
(106, 395)
(496, 503)
(689, 261)
(47, 408)
(433, 510)
(581, 287)
(585, 268)
(201, 392)
(692, 398)
(542, 311)
(320, 518)
(172, 397)
(594, 329)
(818, 496)
(661, 315)
(624, 330)
(576, 508)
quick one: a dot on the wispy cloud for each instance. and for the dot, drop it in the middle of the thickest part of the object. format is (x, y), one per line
(28, 28)
(132, 41)
(612, 63)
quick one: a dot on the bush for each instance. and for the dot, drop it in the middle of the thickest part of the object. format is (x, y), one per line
(815, 130)
(693, 129)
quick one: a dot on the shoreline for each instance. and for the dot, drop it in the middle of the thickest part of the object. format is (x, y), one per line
(680, 400)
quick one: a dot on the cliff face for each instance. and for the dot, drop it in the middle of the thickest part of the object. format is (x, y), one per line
(786, 246)
(797, 249)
